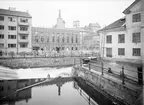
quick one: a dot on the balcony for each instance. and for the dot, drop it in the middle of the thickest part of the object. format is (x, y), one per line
(23, 23)
(23, 32)
(23, 40)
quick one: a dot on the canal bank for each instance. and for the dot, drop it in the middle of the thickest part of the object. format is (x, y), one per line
(37, 62)
(127, 93)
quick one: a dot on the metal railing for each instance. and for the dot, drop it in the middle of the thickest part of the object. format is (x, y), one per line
(123, 73)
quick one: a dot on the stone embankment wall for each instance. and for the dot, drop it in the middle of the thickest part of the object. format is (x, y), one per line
(124, 93)
(38, 62)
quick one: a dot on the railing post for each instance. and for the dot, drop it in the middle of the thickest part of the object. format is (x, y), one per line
(102, 67)
(74, 60)
(89, 67)
(80, 61)
(123, 82)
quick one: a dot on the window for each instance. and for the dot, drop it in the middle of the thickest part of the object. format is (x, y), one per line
(1, 36)
(24, 28)
(136, 17)
(42, 39)
(36, 38)
(11, 45)
(12, 27)
(1, 18)
(47, 39)
(67, 39)
(72, 39)
(23, 20)
(11, 36)
(53, 39)
(62, 48)
(1, 27)
(136, 37)
(76, 40)
(58, 39)
(23, 45)
(1, 45)
(76, 48)
(23, 37)
(136, 52)
(63, 40)
(109, 52)
(121, 38)
(11, 19)
(121, 51)
(72, 48)
(109, 39)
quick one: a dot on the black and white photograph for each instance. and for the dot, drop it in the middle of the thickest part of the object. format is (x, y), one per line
(71, 52)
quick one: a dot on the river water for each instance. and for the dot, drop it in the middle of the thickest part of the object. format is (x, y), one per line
(62, 91)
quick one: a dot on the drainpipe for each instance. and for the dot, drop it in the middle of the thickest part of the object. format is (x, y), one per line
(17, 34)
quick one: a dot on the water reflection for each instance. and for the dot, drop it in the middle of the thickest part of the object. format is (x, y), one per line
(60, 91)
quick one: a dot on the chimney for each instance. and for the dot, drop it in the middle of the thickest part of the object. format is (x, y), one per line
(12, 9)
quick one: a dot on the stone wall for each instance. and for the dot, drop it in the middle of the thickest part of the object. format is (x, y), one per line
(122, 92)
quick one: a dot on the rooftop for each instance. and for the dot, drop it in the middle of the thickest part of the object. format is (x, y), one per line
(118, 24)
(14, 13)
(127, 10)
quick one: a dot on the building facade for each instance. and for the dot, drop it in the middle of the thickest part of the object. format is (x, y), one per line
(90, 38)
(57, 39)
(122, 39)
(15, 31)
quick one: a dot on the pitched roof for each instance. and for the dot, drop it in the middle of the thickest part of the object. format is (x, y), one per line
(14, 13)
(115, 25)
(127, 10)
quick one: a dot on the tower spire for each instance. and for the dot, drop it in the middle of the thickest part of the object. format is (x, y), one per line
(59, 13)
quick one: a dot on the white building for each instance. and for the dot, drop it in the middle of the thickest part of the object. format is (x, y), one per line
(122, 39)
(15, 31)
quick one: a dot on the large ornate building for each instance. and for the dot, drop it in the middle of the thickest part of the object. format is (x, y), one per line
(57, 39)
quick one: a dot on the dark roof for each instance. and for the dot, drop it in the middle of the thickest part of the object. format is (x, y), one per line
(127, 10)
(14, 13)
(115, 25)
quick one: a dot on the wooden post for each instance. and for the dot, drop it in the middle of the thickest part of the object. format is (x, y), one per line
(123, 82)
(102, 68)
(80, 61)
(89, 67)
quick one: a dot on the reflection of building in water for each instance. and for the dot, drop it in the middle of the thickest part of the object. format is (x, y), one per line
(10, 86)
(59, 85)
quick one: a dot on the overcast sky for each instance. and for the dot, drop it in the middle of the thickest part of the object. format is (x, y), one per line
(44, 13)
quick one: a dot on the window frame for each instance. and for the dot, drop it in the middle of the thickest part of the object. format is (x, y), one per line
(136, 52)
(136, 17)
(136, 39)
(107, 39)
(107, 52)
(121, 39)
(121, 53)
